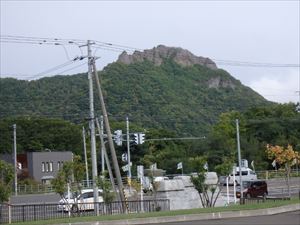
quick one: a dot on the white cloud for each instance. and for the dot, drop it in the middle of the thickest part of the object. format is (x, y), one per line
(281, 89)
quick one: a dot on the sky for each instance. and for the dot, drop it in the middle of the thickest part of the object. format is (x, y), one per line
(240, 31)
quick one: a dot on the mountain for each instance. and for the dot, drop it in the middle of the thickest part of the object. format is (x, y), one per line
(164, 87)
(158, 54)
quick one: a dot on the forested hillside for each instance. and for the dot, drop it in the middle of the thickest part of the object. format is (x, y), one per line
(275, 125)
(177, 94)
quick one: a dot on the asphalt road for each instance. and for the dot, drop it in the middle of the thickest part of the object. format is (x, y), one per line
(290, 218)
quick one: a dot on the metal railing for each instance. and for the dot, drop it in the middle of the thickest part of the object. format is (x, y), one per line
(270, 174)
(35, 212)
(43, 188)
(244, 201)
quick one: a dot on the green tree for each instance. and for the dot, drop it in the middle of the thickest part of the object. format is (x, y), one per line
(38, 134)
(208, 192)
(105, 185)
(6, 180)
(72, 173)
(284, 156)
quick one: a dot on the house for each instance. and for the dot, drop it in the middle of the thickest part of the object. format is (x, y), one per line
(40, 166)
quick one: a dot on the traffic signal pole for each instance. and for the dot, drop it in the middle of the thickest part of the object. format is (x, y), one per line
(15, 160)
(239, 155)
(85, 157)
(128, 149)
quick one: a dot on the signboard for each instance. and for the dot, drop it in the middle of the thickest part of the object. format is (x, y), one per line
(124, 157)
(126, 167)
(140, 171)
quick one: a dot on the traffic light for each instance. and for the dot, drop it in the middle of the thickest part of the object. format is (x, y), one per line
(118, 137)
(139, 138)
(136, 138)
(142, 138)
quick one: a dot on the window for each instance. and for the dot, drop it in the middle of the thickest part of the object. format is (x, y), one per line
(47, 166)
(43, 167)
(244, 173)
(51, 166)
(90, 194)
(60, 164)
(84, 196)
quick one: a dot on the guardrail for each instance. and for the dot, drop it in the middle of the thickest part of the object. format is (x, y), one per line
(34, 212)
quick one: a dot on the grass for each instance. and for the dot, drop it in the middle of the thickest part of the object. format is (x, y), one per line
(269, 204)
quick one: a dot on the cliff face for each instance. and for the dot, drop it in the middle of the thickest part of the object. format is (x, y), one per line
(158, 54)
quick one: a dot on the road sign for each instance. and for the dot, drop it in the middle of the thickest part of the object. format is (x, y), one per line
(140, 171)
(124, 157)
(126, 167)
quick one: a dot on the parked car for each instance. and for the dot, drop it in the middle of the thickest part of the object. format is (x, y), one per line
(252, 189)
(83, 202)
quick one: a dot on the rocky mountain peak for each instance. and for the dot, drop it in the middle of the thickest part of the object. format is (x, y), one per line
(161, 52)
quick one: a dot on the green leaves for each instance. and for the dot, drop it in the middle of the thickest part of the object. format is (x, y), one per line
(168, 96)
(6, 180)
(37, 134)
(71, 169)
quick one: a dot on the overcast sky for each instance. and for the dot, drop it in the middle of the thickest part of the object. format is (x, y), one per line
(248, 31)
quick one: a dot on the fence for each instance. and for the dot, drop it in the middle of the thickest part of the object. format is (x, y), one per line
(270, 174)
(33, 212)
(244, 201)
(43, 188)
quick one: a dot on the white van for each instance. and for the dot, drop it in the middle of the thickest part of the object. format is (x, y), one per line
(247, 175)
(84, 201)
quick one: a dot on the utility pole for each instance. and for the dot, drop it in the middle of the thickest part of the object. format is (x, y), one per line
(85, 157)
(298, 109)
(102, 145)
(239, 155)
(128, 150)
(110, 140)
(92, 125)
(15, 159)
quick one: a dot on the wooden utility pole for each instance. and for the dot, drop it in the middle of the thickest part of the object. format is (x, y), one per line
(109, 138)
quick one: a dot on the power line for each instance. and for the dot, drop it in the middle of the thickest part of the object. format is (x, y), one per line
(58, 67)
(39, 40)
(120, 48)
(253, 64)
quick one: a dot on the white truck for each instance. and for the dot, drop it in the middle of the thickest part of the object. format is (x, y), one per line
(247, 175)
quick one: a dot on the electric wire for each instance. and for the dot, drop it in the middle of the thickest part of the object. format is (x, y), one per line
(121, 48)
(43, 73)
